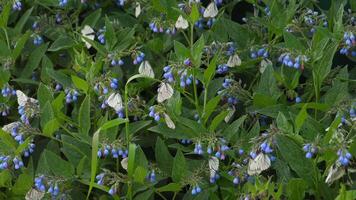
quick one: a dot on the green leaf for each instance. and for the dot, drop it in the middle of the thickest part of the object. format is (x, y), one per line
(292, 42)
(22, 184)
(34, 61)
(5, 178)
(92, 19)
(20, 44)
(217, 120)
(296, 189)
(300, 119)
(94, 160)
(50, 127)
(233, 128)
(57, 165)
(171, 187)
(21, 23)
(283, 123)
(179, 170)
(292, 153)
(5, 13)
(180, 50)
(63, 42)
(194, 14)
(60, 77)
(140, 174)
(131, 161)
(7, 139)
(80, 83)
(163, 157)
(84, 116)
(197, 51)
(210, 71)
(44, 95)
(113, 123)
(268, 85)
(210, 107)
(110, 36)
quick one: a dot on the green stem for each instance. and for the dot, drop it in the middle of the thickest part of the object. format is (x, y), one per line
(127, 137)
(194, 78)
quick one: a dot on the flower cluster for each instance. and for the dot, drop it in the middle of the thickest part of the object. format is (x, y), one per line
(260, 53)
(266, 148)
(185, 141)
(37, 40)
(8, 91)
(4, 109)
(4, 162)
(17, 6)
(116, 62)
(344, 157)
(115, 151)
(222, 69)
(185, 80)
(29, 149)
(138, 58)
(27, 111)
(71, 95)
(310, 150)
(151, 176)
(154, 114)
(196, 190)
(288, 60)
(101, 35)
(120, 2)
(168, 74)
(42, 184)
(198, 149)
(63, 3)
(158, 27)
(349, 43)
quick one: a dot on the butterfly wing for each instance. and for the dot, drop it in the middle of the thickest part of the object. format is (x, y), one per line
(88, 33)
(8, 128)
(169, 121)
(259, 164)
(34, 194)
(146, 69)
(211, 11)
(213, 166)
(181, 23)
(21, 98)
(165, 91)
(115, 101)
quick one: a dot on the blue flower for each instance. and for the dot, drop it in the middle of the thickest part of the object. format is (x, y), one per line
(17, 6)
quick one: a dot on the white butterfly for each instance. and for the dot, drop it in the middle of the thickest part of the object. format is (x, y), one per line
(213, 166)
(146, 69)
(9, 127)
(115, 101)
(335, 172)
(259, 164)
(22, 99)
(124, 163)
(230, 114)
(88, 33)
(264, 64)
(211, 11)
(137, 9)
(34, 194)
(165, 91)
(169, 121)
(234, 61)
(181, 23)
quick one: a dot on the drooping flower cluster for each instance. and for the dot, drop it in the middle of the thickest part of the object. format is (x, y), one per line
(37, 40)
(153, 113)
(151, 176)
(288, 60)
(196, 190)
(348, 44)
(63, 3)
(162, 26)
(310, 150)
(114, 150)
(8, 91)
(138, 58)
(71, 95)
(260, 53)
(101, 35)
(17, 6)
(45, 184)
(344, 157)
(5, 162)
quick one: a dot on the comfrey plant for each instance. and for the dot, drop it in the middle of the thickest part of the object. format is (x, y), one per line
(188, 99)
